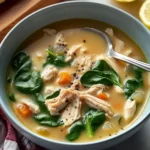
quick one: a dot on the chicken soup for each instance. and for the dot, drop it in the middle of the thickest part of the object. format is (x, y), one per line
(62, 84)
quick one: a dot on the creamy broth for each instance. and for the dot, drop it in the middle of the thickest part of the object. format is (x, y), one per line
(89, 44)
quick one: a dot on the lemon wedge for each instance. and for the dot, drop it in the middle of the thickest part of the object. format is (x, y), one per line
(145, 13)
(124, 1)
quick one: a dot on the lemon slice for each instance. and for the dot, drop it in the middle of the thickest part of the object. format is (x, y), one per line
(124, 1)
(145, 13)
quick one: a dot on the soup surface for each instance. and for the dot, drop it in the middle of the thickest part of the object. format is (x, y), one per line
(62, 85)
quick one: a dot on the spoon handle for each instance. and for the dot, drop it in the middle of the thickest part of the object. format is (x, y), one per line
(129, 60)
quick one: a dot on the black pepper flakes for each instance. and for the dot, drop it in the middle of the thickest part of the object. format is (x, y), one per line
(74, 74)
(66, 101)
(84, 41)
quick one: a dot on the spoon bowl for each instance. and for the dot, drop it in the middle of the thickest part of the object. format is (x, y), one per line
(111, 52)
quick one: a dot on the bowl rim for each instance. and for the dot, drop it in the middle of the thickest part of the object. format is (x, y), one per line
(20, 126)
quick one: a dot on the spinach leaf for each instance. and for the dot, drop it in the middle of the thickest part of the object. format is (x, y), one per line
(28, 82)
(47, 120)
(100, 77)
(21, 63)
(75, 131)
(25, 80)
(101, 73)
(39, 99)
(92, 120)
(102, 65)
(19, 59)
(53, 95)
(130, 86)
(44, 117)
(12, 97)
(26, 67)
(55, 59)
(138, 75)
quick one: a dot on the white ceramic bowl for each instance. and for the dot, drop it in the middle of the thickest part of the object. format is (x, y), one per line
(68, 10)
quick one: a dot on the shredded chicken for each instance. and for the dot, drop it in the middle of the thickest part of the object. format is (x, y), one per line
(49, 72)
(129, 109)
(95, 89)
(60, 45)
(83, 63)
(66, 97)
(55, 105)
(72, 112)
(71, 53)
(76, 84)
(96, 103)
(49, 32)
(60, 39)
(118, 44)
(32, 106)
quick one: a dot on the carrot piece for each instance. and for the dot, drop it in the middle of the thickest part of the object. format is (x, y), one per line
(102, 96)
(64, 78)
(122, 63)
(24, 110)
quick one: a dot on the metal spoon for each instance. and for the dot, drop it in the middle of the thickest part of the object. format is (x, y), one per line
(114, 54)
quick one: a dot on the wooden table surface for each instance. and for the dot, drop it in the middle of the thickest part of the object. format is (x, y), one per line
(12, 11)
